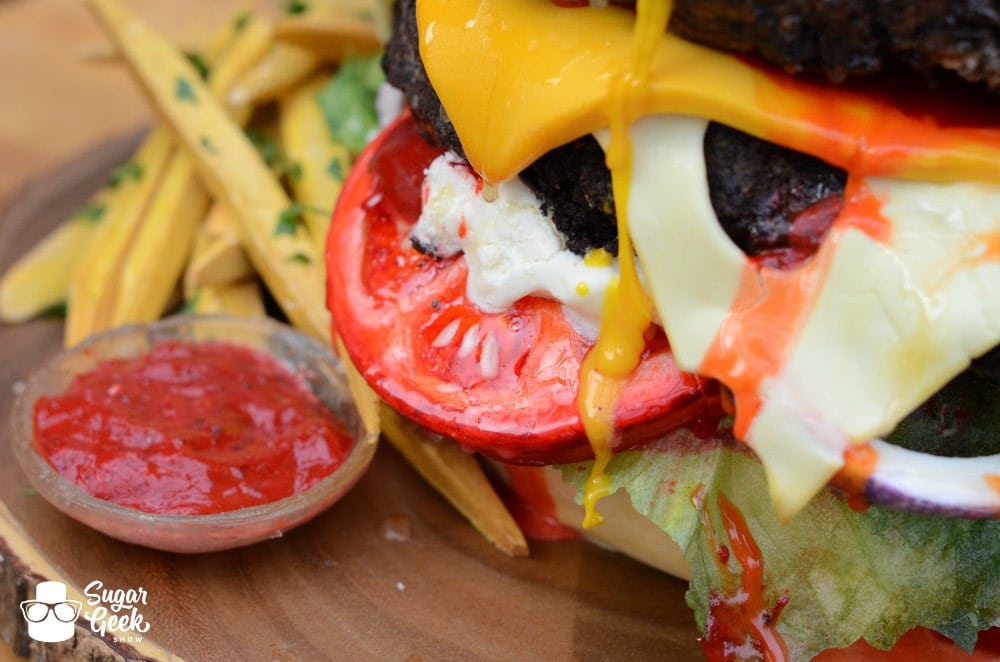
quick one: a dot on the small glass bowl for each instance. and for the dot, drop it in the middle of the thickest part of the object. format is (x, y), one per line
(312, 361)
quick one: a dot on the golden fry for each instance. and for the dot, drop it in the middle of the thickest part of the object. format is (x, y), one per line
(284, 66)
(149, 274)
(40, 278)
(458, 477)
(321, 162)
(243, 298)
(229, 165)
(217, 257)
(89, 297)
(158, 250)
(331, 38)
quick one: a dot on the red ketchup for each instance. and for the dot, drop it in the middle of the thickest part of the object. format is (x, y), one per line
(190, 428)
(527, 497)
(740, 625)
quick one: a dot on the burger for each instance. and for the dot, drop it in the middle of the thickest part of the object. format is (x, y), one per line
(737, 262)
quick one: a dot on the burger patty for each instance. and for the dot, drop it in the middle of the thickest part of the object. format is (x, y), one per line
(938, 39)
(757, 190)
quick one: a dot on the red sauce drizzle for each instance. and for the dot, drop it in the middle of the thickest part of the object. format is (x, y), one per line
(900, 122)
(190, 428)
(739, 626)
(860, 463)
(773, 304)
(527, 498)
(809, 228)
(993, 480)
(986, 249)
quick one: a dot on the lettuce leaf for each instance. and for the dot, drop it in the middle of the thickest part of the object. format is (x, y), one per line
(348, 101)
(846, 575)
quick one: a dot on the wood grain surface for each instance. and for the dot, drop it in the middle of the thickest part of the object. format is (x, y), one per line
(341, 587)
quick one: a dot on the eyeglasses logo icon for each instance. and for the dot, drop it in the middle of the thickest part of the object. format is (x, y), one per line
(50, 616)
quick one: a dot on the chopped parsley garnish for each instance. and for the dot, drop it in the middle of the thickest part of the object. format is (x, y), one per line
(27, 491)
(300, 257)
(207, 145)
(289, 220)
(91, 212)
(184, 91)
(292, 216)
(124, 172)
(241, 21)
(191, 305)
(273, 155)
(336, 169)
(56, 310)
(296, 7)
(197, 61)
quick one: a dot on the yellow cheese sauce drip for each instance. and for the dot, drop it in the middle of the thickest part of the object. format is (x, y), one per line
(627, 310)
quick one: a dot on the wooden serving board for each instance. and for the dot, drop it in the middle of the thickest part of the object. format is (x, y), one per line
(389, 573)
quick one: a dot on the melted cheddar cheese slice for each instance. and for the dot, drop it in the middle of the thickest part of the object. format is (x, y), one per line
(521, 77)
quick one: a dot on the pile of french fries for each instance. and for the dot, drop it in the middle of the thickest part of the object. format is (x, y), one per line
(197, 220)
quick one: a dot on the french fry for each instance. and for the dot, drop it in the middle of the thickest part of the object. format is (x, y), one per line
(284, 66)
(105, 52)
(241, 297)
(330, 37)
(149, 274)
(296, 56)
(376, 12)
(223, 38)
(95, 298)
(253, 40)
(88, 297)
(458, 477)
(229, 165)
(217, 257)
(321, 162)
(39, 280)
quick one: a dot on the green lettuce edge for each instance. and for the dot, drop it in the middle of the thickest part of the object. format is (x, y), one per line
(847, 575)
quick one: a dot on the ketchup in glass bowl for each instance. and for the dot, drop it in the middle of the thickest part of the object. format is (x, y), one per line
(191, 434)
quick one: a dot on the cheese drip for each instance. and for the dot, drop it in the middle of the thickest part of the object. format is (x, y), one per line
(628, 310)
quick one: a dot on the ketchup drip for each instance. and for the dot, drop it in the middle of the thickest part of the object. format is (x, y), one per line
(528, 499)
(739, 626)
(190, 428)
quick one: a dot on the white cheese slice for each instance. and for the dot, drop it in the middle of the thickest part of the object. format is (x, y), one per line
(891, 323)
(691, 268)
